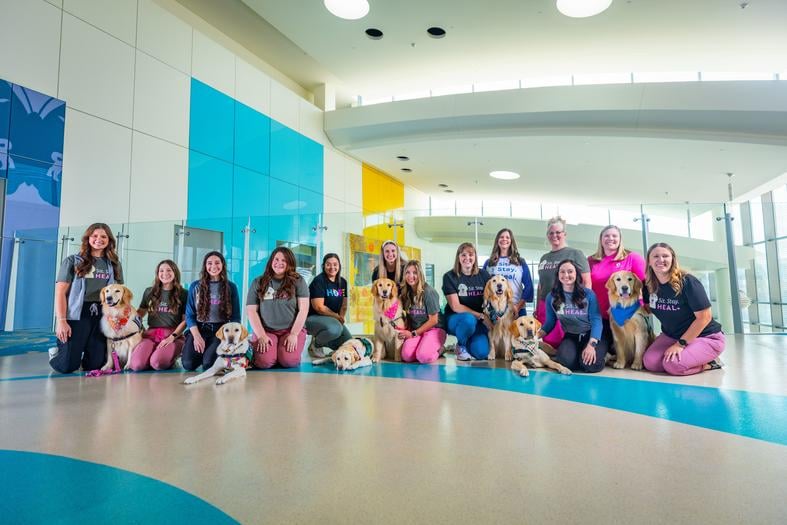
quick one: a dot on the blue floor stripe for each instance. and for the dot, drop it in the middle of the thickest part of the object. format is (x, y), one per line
(750, 414)
(43, 488)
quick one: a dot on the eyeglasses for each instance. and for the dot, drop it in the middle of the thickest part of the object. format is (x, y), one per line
(550, 234)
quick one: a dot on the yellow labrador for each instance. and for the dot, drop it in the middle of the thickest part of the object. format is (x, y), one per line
(352, 354)
(529, 350)
(233, 355)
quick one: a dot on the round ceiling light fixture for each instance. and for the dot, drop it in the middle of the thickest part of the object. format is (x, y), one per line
(347, 9)
(504, 175)
(436, 32)
(403, 158)
(582, 8)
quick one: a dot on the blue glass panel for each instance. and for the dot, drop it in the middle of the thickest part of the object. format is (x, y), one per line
(5, 117)
(252, 139)
(284, 208)
(310, 215)
(311, 165)
(36, 125)
(250, 193)
(285, 150)
(212, 121)
(210, 187)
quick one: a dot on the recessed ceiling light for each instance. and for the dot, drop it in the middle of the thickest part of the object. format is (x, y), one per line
(374, 33)
(442, 185)
(406, 170)
(403, 158)
(347, 9)
(448, 191)
(582, 8)
(436, 32)
(504, 175)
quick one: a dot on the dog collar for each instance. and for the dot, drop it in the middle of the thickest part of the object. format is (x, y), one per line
(621, 314)
(390, 313)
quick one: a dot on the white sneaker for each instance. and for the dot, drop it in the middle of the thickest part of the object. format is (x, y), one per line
(53, 351)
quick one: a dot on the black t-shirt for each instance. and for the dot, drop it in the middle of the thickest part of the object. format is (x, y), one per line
(332, 293)
(164, 316)
(469, 289)
(390, 275)
(676, 312)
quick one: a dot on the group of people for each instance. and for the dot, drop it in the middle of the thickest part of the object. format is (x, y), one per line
(571, 302)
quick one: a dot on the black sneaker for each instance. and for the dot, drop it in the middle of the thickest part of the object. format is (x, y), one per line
(716, 364)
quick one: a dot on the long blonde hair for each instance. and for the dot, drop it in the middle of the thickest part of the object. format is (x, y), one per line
(381, 268)
(621, 254)
(458, 266)
(676, 274)
(409, 295)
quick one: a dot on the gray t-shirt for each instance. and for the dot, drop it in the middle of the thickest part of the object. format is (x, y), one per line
(547, 268)
(164, 316)
(277, 313)
(214, 312)
(95, 279)
(418, 314)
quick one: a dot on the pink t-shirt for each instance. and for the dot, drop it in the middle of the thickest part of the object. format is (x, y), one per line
(600, 272)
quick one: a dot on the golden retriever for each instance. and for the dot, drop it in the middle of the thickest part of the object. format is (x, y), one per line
(628, 320)
(352, 354)
(120, 324)
(529, 350)
(498, 307)
(388, 319)
(233, 355)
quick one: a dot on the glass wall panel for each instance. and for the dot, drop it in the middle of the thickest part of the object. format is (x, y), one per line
(780, 211)
(757, 224)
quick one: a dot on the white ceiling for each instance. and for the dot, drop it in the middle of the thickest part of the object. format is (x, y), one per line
(512, 39)
(502, 40)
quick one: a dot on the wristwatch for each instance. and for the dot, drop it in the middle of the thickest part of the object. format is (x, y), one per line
(682, 342)
(414, 333)
(594, 344)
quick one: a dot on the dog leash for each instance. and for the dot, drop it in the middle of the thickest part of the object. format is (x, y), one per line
(115, 369)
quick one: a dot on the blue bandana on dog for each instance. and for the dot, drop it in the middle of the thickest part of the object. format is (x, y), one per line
(621, 314)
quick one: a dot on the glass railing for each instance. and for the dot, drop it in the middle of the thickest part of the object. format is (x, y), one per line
(697, 232)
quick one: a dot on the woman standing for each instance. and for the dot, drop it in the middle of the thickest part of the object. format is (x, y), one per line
(328, 306)
(391, 260)
(165, 305)
(423, 339)
(576, 308)
(212, 301)
(277, 305)
(506, 261)
(611, 257)
(690, 340)
(463, 288)
(80, 279)
(547, 271)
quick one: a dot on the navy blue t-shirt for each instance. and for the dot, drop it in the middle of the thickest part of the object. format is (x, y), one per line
(332, 293)
(676, 312)
(469, 289)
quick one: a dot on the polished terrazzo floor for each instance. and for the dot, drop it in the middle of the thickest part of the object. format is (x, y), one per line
(445, 443)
